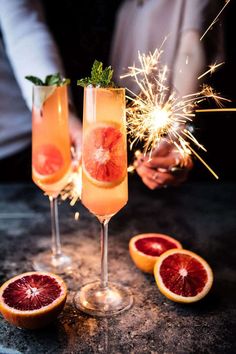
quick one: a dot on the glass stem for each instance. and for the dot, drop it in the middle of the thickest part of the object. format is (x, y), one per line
(56, 242)
(104, 248)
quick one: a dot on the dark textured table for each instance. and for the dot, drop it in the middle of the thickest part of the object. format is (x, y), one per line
(202, 216)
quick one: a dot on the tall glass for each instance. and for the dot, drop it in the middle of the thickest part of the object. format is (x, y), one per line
(51, 163)
(104, 188)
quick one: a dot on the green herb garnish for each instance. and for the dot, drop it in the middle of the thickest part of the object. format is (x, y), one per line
(49, 85)
(99, 77)
(50, 80)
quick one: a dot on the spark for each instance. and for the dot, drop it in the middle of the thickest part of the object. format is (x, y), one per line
(131, 168)
(206, 92)
(73, 189)
(216, 110)
(215, 19)
(212, 69)
(77, 215)
(156, 114)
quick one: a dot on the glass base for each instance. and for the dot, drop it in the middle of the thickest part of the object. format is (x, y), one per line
(46, 262)
(103, 302)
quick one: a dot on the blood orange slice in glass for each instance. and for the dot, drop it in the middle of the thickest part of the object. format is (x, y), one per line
(104, 155)
(32, 300)
(47, 162)
(145, 249)
(183, 276)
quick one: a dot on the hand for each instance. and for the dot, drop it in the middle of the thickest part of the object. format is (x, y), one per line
(166, 167)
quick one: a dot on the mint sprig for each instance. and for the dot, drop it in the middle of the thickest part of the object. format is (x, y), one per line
(50, 83)
(50, 80)
(99, 77)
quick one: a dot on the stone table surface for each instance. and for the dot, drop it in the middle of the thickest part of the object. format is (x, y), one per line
(202, 216)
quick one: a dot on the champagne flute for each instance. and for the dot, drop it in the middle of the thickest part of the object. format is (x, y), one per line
(104, 189)
(51, 163)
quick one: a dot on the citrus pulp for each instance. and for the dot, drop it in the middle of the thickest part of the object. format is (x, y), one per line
(183, 276)
(104, 155)
(48, 163)
(145, 249)
(32, 300)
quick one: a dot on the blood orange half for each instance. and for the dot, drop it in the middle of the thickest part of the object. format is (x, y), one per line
(183, 276)
(104, 155)
(48, 163)
(32, 300)
(145, 249)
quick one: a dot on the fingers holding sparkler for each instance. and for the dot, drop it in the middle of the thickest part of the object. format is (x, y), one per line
(165, 166)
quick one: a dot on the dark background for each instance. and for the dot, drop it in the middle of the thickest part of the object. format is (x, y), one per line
(83, 31)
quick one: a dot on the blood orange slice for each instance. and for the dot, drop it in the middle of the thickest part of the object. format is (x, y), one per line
(183, 276)
(32, 300)
(145, 249)
(47, 163)
(104, 155)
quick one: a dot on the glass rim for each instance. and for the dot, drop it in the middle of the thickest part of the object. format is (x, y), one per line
(105, 88)
(49, 86)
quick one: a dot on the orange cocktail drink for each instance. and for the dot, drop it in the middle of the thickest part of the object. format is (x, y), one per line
(51, 163)
(51, 157)
(104, 179)
(104, 189)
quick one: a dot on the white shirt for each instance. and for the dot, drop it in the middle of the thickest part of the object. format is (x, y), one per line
(144, 28)
(26, 48)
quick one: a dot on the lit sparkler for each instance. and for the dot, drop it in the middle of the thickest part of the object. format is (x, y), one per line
(156, 114)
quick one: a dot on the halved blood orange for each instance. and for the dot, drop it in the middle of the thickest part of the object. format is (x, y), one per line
(145, 249)
(183, 276)
(48, 163)
(32, 300)
(104, 155)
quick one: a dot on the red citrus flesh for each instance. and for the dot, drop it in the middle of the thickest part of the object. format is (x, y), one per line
(183, 276)
(104, 155)
(47, 159)
(145, 249)
(31, 292)
(154, 246)
(32, 300)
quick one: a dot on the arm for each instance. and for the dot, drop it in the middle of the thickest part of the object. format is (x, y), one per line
(190, 63)
(32, 50)
(28, 42)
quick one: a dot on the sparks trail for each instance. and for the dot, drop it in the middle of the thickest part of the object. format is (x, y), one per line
(73, 189)
(156, 113)
(215, 19)
(212, 69)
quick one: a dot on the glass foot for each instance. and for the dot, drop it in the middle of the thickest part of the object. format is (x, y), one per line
(103, 302)
(46, 262)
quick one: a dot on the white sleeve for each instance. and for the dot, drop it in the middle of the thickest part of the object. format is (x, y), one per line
(195, 15)
(29, 44)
